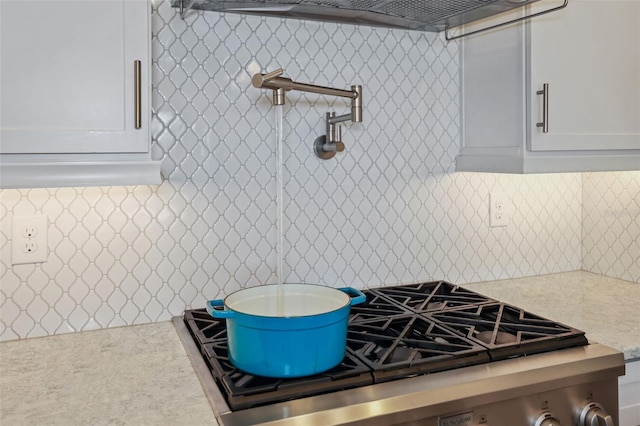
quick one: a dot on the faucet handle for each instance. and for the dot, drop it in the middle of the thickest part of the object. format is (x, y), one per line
(273, 74)
(258, 80)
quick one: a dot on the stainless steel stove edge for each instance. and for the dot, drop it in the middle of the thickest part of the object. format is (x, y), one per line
(434, 396)
(209, 386)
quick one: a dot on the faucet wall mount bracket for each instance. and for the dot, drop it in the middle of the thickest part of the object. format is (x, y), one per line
(324, 150)
(327, 145)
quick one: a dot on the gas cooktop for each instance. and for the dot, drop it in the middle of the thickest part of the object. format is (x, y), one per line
(399, 332)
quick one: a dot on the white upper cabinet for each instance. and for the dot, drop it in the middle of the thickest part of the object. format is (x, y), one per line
(75, 101)
(588, 57)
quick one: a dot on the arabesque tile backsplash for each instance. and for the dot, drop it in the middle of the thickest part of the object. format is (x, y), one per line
(611, 224)
(388, 210)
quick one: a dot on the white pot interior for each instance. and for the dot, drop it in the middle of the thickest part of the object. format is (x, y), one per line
(296, 300)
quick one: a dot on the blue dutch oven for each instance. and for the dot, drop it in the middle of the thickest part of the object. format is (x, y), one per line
(292, 330)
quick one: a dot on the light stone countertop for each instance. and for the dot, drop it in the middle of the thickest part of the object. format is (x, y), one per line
(606, 309)
(141, 375)
(137, 375)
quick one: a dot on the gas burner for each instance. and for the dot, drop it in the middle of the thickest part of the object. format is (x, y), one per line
(409, 345)
(508, 331)
(432, 296)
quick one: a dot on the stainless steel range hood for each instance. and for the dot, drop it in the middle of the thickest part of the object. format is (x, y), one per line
(421, 15)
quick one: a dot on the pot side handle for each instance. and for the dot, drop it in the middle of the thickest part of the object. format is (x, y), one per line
(218, 313)
(359, 296)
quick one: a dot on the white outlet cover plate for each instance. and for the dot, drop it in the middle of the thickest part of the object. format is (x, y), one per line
(498, 209)
(19, 240)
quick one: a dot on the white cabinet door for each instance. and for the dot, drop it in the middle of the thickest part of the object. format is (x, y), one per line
(589, 55)
(67, 76)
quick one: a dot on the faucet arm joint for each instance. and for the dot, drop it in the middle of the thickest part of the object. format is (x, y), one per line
(339, 118)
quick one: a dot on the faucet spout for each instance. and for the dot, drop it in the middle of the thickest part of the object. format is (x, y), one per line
(273, 81)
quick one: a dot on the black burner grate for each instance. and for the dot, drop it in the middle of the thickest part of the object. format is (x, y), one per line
(243, 390)
(432, 296)
(375, 306)
(508, 331)
(204, 328)
(410, 345)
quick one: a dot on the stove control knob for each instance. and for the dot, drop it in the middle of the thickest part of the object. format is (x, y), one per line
(546, 419)
(593, 414)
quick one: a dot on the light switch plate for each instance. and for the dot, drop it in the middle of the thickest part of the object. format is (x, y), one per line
(29, 242)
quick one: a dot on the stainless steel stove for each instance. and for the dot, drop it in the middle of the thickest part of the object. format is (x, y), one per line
(423, 354)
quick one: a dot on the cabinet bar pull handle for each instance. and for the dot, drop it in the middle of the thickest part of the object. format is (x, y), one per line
(545, 108)
(137, 77)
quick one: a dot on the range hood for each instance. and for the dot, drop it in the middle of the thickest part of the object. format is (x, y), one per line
(421, 15)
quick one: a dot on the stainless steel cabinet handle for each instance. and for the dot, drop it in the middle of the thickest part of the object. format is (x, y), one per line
(137, 83)
(545, 108)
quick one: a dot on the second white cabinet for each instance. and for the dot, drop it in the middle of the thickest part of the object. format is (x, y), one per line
(560, 93)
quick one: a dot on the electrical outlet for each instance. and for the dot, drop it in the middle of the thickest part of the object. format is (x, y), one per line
(30, 247)
(29, 231)
(498, 209)
(29, 239)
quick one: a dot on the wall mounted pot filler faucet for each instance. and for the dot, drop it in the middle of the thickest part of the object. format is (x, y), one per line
(327, 145)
